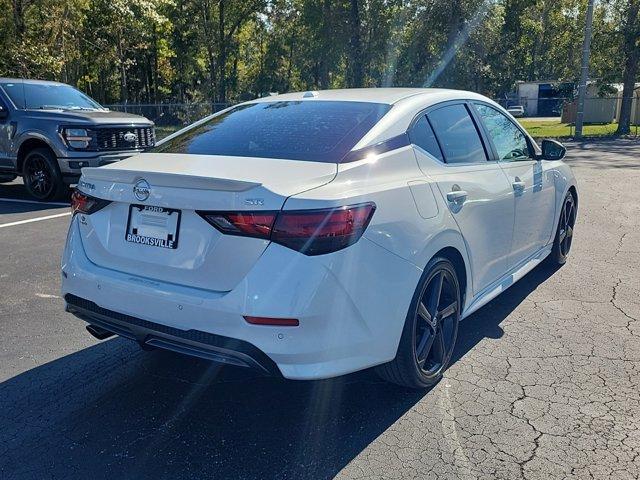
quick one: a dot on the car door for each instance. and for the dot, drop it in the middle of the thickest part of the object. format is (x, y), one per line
(453, 154)
(532, 183)
(6, 130)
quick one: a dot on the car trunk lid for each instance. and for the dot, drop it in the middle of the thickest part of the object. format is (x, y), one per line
(153, 186)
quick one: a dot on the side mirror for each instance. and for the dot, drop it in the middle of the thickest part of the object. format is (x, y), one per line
(4, 113)
(552, 150)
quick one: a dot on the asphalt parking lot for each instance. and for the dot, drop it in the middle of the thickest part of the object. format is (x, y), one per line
(545, 381)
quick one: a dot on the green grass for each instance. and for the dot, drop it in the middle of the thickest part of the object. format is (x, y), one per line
(555, 129)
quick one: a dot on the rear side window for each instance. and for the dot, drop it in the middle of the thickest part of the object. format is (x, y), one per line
(422, 135)
(320, 131)
(457, 135)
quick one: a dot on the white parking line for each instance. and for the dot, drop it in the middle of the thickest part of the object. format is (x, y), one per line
(60, 204)
(30, 220)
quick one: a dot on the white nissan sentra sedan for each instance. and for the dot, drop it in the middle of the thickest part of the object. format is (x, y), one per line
(314, 234)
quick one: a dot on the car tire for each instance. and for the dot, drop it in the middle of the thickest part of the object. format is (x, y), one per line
(564, 231)
(430, 329)
(41, 175)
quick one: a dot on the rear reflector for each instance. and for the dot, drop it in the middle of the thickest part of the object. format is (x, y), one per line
(280, 322)
(312, 232)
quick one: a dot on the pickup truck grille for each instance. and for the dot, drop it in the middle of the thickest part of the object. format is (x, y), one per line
(110, 139)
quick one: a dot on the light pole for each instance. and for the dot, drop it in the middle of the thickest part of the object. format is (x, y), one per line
(584, 71)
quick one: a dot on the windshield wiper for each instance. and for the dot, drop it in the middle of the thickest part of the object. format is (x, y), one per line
(65, 107)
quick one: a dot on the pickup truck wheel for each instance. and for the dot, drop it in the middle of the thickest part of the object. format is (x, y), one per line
(41, 175)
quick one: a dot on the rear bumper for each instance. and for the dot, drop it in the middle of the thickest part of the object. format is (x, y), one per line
(225, 350)
(351, 306)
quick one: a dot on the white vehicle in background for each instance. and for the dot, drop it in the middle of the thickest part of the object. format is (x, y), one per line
(516, 110)
(320, 233)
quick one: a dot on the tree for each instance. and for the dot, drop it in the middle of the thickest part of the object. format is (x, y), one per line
(355, 75)
(631, 49)
(231, 50)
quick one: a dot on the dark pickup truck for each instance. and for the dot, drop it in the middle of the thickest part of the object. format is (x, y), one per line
(49, 131)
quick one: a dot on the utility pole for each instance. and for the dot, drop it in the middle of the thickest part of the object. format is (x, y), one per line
(584, 71)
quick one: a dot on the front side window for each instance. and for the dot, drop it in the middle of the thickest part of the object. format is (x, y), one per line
(511, 144)
(314, 130)
(48, 96)
(457, 134)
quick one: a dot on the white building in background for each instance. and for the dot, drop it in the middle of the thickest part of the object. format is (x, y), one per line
(600, 108)
(542, 98)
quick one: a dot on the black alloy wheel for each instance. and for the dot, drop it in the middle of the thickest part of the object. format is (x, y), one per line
(41, 175)
(567, 222)
(38, 178)
(565, 231)
(436, 325)
(430, 331)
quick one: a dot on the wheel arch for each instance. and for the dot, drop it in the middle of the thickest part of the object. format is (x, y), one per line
(556, 219)
(28, 145)
(574, 192)
(451, 245)
(455, 257)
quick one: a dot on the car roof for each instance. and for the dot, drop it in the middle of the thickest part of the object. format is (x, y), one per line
(385, 95)
(28, 80)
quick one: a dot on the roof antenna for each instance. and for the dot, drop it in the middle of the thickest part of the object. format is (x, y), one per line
(310, 94)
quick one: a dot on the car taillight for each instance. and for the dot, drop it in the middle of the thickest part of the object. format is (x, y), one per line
(246, 224)
(83, 203)
(312, 232)
(315, 232)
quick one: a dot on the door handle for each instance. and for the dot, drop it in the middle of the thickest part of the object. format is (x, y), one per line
(518, 186)
(457, 196)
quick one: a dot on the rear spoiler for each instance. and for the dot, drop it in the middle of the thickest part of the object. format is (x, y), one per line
(163, 179)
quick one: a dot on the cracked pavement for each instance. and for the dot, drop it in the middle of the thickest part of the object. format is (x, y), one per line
(545, 382)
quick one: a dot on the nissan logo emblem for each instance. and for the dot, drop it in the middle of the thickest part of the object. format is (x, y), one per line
(130, 137)
(142, 189)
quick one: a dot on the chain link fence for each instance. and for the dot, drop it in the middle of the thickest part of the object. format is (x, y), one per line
(170, 117)
(596, 109)
(553, 116)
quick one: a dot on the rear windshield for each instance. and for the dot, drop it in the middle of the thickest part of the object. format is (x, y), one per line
(48, 96)
(320, 131)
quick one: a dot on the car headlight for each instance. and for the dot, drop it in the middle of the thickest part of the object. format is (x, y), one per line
(78, 138)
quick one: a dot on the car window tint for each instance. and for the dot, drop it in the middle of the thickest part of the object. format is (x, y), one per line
(422, 135)
(457, 135)
(320, 131)
(511, 144)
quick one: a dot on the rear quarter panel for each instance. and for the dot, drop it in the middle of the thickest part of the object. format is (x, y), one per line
(403, 195)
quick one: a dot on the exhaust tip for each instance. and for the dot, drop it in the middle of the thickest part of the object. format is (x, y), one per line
(99, 333)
